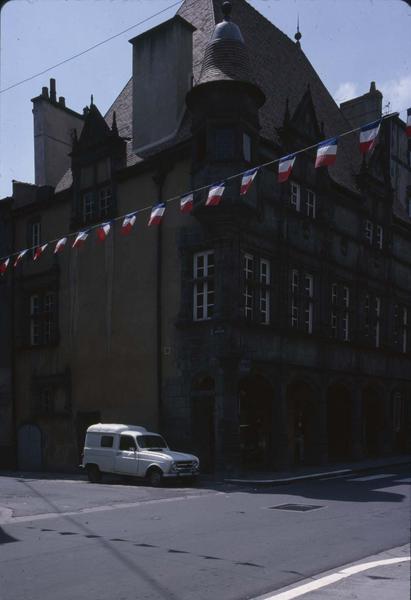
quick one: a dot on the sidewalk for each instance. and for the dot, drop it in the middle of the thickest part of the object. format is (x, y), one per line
(250, 477)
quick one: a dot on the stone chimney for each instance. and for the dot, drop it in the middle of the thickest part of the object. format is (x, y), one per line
(162, 74)
(363, 109)
(53, 129)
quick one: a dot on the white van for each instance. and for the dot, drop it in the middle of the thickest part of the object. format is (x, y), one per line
(134, 451)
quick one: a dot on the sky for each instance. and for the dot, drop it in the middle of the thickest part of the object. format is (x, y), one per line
(349, 42)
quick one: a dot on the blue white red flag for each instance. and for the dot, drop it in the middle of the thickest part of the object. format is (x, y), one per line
(128, 223)
(60, 245)
(39, 251)
(157, 213)
(326, 153)
(285, 167)
(186, 203)
(408, 126)
(247, 180)
(80, 239)
(214, 195)
(19, 257)
(3, 265)
(103, 230)
(368, 136)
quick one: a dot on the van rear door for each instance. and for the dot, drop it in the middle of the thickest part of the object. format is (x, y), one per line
(126, 460)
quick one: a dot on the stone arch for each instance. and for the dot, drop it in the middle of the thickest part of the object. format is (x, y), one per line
(373, 414)
(203, 420)
(339, 421)
(255, 399)
(302, 421)
(29, 448)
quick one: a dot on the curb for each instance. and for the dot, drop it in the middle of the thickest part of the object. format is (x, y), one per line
(312, 476)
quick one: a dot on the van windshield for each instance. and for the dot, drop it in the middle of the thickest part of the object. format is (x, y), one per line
(151, 442)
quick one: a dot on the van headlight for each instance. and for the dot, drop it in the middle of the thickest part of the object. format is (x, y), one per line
(173, 466)
(196, 464)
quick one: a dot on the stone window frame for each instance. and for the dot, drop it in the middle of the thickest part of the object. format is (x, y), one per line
(203, 285)
(302, 299)
(42, 307)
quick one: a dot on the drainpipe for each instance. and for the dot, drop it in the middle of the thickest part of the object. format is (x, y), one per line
(159, 179)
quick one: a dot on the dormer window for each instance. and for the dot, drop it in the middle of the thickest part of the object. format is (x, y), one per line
(224, 143)
(96, 191)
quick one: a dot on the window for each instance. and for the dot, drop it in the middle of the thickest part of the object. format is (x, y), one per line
(334, 325)
(127, 442)
(106, 441)
(35, 234)
(34, 320)
(377, 321)
(379, 235)
(409, 201)
(369, 231)
(346, 315)
(224, 143)
(104, 195)
(246, 147)
(265, 280)
(308, 302)
(311, 204)
(248, 286)
(334, 293)
(302, 300)
(203, 273)
(42, 318)
(295, 195)
(367, 315)
(88, 206)
(404, 329)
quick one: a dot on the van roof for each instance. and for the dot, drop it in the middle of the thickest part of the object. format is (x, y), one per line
(115, 428)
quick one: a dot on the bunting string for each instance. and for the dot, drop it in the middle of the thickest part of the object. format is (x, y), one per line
(326, 156)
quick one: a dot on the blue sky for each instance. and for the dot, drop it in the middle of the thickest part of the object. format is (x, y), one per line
(349, 42)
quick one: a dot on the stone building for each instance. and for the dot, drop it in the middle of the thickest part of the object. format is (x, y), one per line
(268, 331)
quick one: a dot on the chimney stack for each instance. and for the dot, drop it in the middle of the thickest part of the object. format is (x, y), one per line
(53, 96)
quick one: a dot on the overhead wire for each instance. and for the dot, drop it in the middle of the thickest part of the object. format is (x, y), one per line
(90, 228)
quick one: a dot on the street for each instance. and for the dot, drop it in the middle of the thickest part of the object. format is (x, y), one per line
(63, 538)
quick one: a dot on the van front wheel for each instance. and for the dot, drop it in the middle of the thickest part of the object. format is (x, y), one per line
(155, 477)
(93, 473)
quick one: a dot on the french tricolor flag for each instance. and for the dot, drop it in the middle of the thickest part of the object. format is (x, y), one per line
(368, 136)
(19, 257)
(326, 153)
(128, 223)
(157, 213)
(408, 126)
(3, 265)
(103, 230)
(186, 204)
(39, 251)
(247, 180)
(214, 195)
(60, 245)
(80, 239)
(285, 166)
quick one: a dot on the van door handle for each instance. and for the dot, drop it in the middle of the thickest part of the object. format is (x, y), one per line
(118, 453)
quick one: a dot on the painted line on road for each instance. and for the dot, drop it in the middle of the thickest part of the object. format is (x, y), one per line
(371, 477)
(94, 509)
(332, 578)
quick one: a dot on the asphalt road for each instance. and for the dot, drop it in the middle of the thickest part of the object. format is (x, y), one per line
(63, 539)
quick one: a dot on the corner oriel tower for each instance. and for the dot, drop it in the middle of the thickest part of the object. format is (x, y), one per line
(224, 104)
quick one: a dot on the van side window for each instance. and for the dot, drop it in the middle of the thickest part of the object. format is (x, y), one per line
(127, 442)
(106, 441)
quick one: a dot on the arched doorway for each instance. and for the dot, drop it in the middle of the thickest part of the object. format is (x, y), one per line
(302, 424)
(373, 421)
(255, 408)
(202, 421)
(339, 422)
(29, 450)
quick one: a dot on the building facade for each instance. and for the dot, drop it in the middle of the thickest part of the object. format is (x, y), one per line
(268, 331)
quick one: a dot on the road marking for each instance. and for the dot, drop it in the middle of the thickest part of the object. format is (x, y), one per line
(333, 578)
(9, 520)
(371, 477)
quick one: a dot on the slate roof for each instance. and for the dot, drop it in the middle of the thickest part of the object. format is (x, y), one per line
(279, 67)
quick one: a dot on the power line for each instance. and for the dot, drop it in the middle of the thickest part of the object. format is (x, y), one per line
(160, 12)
